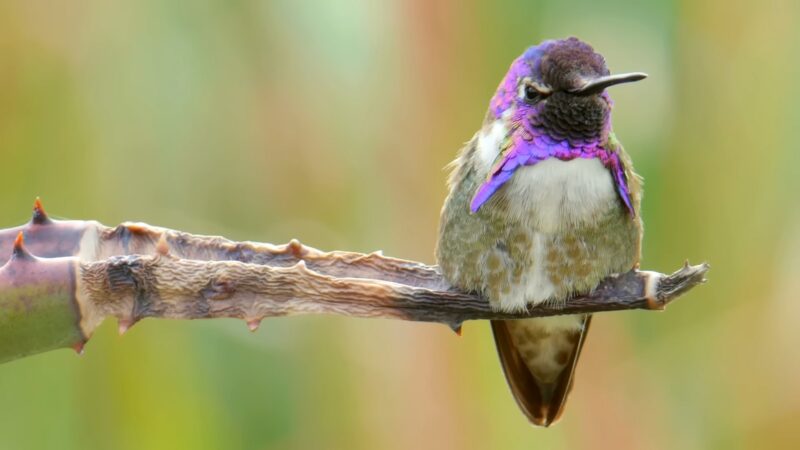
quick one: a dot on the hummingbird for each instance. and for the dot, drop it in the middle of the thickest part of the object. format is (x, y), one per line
(543, 204)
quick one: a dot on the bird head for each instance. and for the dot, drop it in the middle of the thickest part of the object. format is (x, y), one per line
(559, 86)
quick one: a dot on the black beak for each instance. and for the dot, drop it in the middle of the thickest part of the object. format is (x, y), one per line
(596, 85)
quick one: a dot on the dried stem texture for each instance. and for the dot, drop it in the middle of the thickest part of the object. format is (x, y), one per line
(135, 270)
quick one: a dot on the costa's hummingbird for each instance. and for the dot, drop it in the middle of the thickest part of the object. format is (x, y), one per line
(543, 204)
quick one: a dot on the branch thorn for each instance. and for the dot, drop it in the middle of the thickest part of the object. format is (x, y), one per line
(295, 248)
(19, 251)
(162, 247)
(78, 347)
(253, 324)
(123, 325)
(39, 215)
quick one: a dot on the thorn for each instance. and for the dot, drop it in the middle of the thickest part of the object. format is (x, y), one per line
(295, 248)
(19, 242)
(162, 247)
(378, 253)
(456, 328)
(686, 264)
(39, 216)
(123, 325)
(78, 347)
(301, 265)
(253, 324)
(19, 251)
(137, 228)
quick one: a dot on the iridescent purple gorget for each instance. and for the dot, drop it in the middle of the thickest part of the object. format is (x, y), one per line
(528, 144)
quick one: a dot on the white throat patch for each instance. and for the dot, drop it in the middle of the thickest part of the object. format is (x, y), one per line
(489, 144)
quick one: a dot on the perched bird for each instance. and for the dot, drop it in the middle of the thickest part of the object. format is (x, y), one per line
(543, 204)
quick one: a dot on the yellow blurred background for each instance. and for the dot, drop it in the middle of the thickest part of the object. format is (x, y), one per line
(332, 122)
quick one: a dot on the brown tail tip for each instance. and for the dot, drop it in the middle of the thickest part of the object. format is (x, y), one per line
(548, 405)
(552, 407)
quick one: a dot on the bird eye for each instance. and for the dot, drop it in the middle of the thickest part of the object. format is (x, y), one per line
(534, 92)
(531, 94)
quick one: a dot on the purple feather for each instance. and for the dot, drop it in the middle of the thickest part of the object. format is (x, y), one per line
(528, 153)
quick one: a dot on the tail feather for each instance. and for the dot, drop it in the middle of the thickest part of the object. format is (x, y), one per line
(542, 399)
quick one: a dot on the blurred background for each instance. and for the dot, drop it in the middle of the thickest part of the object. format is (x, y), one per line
(332, 122)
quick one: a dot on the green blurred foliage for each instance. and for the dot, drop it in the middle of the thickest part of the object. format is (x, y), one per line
(331, 122)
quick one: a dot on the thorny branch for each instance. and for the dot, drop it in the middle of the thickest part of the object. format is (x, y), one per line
(73, 274)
